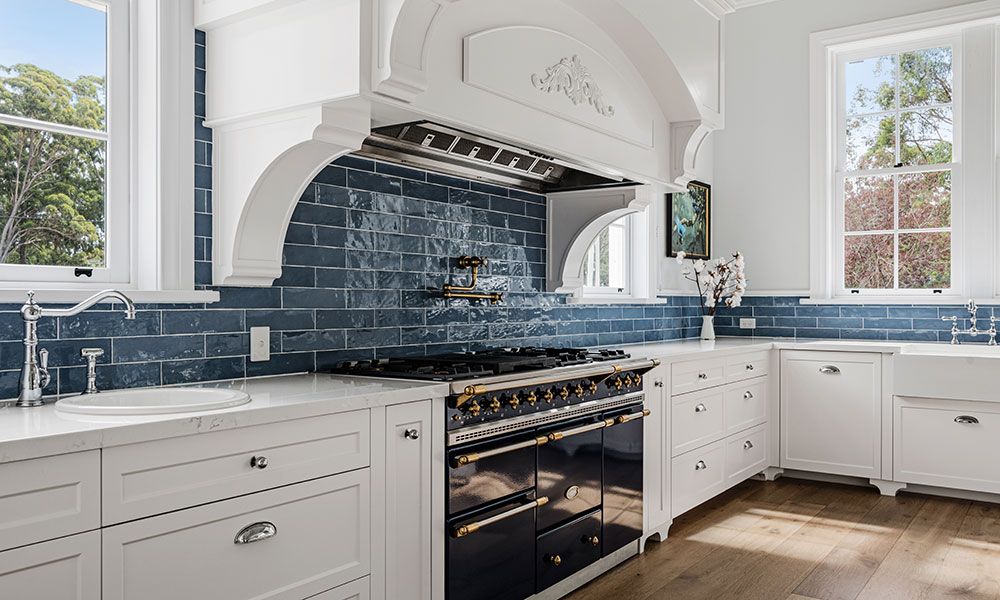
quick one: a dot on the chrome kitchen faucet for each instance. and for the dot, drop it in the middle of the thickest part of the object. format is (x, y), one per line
(972, 330)
(35, 370)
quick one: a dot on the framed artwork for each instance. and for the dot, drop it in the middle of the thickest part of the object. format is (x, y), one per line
(688, 216)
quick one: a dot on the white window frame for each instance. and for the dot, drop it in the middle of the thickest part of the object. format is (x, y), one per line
(837, 193)
(975, 214)
(629, 225)
(150, 185)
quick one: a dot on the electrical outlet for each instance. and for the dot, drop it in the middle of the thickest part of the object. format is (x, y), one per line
(260, 344)
(748, 323)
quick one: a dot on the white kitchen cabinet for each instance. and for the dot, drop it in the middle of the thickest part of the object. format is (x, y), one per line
(947, 443)
(284, 544)
(44, 498)
(656, 453)
(64, 569)
(746, 454)
(698, 476)
(831, 412)
(408, 512)
(149, 478)
(355, 590)
(697, 419)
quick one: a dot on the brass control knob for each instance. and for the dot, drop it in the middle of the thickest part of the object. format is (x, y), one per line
(532, 398)
(549, 396)
(628, 380)
(514, 401)
(618, 383)
(564, 392)
(593, 540)
(553, 559)
(592, 387)
(474, 409)
(495, 404)
(578, 391)
(638, 380)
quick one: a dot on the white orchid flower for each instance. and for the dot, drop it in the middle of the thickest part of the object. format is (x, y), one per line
(680, 257)
(699, 266)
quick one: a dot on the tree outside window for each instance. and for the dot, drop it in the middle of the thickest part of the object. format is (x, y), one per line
(897, 184)
(53, 133)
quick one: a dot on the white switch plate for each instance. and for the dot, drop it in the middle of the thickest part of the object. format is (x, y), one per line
(748, 323)
(260, 344)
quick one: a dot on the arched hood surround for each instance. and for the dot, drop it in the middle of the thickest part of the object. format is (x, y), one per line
(293, 84)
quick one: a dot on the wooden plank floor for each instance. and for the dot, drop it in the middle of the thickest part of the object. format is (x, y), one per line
(798, 540)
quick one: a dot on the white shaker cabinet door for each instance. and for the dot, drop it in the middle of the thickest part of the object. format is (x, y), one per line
(831, 412)
(63, 569)
(408, 501)
(657, 451)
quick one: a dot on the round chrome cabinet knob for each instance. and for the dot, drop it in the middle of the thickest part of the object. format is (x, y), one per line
(412, 434)
(258, 462)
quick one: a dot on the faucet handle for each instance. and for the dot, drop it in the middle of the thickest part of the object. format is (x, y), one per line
(91, 353)
(43, 368)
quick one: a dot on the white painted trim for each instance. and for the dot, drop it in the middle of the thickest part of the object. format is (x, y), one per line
(60, 296)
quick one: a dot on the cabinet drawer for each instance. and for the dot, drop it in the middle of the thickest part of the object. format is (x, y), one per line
(697, 375)
(49, 497)
(63, 569)
(746, 405)
(698, 476)
(321, 540)
(567, 549)
(746, 454)
(145, 479)
(697, 419)
(951, 444)
(355, 590)
(747, 366)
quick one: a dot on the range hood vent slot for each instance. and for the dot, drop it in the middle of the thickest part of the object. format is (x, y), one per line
(438, 148)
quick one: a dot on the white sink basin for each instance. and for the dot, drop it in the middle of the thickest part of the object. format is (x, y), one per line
(961, 372)
(152, 401)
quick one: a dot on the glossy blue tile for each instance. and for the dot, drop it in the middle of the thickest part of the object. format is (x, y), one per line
(210, 369)
(202, 321)
(148, 348)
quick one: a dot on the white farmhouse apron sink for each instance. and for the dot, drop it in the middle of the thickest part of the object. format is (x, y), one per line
(960, 372)
(152, 401)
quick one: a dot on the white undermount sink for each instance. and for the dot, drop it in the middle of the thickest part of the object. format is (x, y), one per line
(960, 372)
(152, 401)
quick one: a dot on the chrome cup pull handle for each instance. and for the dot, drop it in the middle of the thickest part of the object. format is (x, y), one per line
(747, 395)
(700, 466)
(256, 532)
(747, 445)
(829, 370)
(700, 408)
(966, 420)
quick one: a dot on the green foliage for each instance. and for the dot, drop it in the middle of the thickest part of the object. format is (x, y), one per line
(52, 193)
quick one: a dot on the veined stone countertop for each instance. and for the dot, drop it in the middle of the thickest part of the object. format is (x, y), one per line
(44, 431)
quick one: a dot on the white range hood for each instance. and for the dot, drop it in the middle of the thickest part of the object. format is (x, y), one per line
(294, 84)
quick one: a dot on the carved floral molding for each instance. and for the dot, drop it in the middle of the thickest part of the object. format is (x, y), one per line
(571, 77)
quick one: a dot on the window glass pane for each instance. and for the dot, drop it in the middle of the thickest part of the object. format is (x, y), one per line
(604, 265)
(925, 77)
(925, 200)
(868, 203)
(871, 142)
(925, 136)
(925, 260)
(870, 85)
(868, 262)
(53, 61)
(52, 207)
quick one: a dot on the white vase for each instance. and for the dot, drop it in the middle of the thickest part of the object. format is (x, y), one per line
(707, 327)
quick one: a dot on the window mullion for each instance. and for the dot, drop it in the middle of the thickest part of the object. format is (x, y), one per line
(28, 123)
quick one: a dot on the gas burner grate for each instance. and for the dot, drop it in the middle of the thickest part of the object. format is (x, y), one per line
(476, 364)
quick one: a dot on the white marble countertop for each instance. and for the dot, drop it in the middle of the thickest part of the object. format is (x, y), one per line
(44, 431)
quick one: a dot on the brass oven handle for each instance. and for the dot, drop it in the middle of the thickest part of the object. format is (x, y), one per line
(466, 459)
(470, 528)
(598, 375)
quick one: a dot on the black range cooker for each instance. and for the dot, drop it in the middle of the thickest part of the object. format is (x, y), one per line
(544, 451)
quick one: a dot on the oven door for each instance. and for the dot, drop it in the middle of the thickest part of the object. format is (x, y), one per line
(569, 470)
(477, 477)
(622, 480)
(491, 552)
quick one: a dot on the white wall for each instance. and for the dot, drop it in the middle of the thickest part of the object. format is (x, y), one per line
(761, 178)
